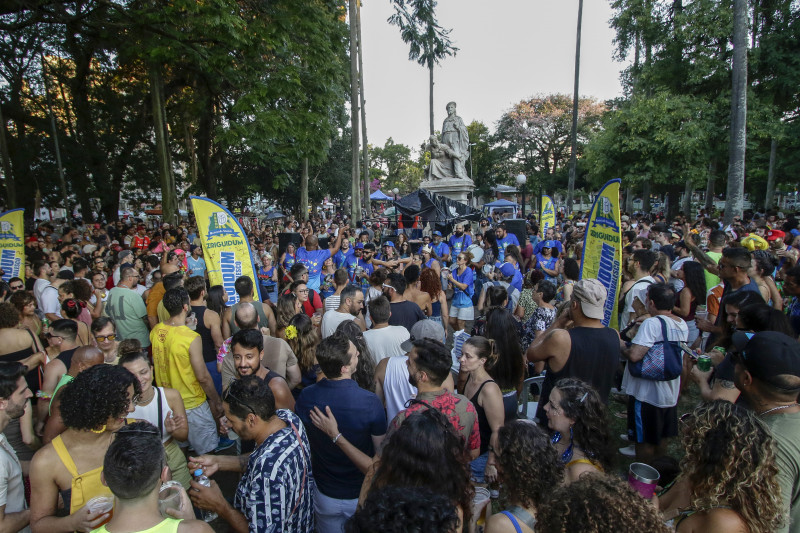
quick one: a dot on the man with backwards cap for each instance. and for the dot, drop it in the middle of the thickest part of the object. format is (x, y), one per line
(588, 350)
(767, 371)
(440, 248)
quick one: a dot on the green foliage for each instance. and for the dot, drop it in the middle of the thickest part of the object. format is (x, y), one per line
(394, 167)
(428, 42)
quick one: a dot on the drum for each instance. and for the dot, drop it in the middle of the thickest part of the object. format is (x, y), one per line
(476, 251)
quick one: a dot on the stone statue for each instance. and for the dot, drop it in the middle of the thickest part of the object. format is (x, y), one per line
(449, 155)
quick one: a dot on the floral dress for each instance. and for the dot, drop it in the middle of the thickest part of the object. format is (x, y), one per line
(540, 320)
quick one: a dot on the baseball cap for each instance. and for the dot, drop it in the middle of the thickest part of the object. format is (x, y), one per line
(507, 269)
(124, 254)
(424, 329)
(359, 246)
(390, 244)
(439, 233)
(768, 354)
(425, 250)
(624, 218)
(774, 234)
(549, 244)
(592, 296)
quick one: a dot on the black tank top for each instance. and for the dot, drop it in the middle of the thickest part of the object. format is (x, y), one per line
(483, 422)
(209, 350)
(66, 357)
(593, 358)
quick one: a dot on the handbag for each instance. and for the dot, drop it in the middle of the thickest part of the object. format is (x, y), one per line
(662, 362)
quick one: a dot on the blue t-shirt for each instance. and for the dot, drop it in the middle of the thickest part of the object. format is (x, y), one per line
(441, 249)
(341, 257)
(360, 415)
(459, 244)
(353, 263)
(503, 243)
(197, 266)
(313, 262)
(326, 286)
(548, 263)
(463, 298)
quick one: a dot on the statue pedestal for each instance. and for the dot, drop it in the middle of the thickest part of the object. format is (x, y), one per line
(455, 188)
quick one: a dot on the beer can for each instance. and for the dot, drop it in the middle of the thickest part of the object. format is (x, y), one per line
(703, 363)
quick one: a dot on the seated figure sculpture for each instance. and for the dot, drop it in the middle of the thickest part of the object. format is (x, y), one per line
(449, 155)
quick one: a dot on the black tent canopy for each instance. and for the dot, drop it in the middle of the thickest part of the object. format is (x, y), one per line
(440, 211)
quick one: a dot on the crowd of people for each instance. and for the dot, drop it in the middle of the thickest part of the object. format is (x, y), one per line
(375, 379)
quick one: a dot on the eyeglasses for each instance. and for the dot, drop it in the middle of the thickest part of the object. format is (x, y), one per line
(229, 394)
(302, 291)
(104, 338)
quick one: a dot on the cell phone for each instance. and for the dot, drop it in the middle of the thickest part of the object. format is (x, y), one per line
(687, 350)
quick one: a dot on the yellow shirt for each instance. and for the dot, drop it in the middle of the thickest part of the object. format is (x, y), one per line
(171, 362)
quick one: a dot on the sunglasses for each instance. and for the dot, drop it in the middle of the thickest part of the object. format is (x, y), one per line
(51, 336)
(104, 338)
(17, 287)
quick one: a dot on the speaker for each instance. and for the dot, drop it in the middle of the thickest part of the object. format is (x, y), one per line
(285, 239)
(518, 228)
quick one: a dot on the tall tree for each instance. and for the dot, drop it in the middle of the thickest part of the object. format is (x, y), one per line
(354, 106)
(735, 193)
(428, 42)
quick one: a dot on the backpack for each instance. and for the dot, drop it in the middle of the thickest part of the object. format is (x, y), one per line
(662, 362)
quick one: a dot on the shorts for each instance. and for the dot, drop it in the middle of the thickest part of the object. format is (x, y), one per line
(462, 313)
(648, 424)
(203, 436)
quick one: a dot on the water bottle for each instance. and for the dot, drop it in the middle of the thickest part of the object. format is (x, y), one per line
(208, 516)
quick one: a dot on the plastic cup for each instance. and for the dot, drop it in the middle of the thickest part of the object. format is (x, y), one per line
(169, 497)
(479, 504)
(102, 504)
(701, 312)
(644, 479)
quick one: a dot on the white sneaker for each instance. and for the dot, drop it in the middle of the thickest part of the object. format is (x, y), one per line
(623, 436)
(628, 451)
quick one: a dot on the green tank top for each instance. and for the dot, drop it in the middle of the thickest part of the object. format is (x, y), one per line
(168, 525)
(66, 378)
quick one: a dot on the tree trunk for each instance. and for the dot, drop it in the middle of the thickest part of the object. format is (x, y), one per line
(355, 188)
(629, 199)
(712, 175)
(61, 180)
(769, 199)
(646, 197)
(573, 156)
(365, 152)
(734, 197)
(169, 201)
(686, 206)
(430, 94)
(11, 191)
(304, 191)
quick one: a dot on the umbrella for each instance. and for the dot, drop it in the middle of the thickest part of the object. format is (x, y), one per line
(500, 203)
(274, 215)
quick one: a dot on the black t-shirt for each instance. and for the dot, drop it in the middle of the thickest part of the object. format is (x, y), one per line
(406, 314)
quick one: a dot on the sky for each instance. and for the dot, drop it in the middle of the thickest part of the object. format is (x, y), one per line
(508, 50)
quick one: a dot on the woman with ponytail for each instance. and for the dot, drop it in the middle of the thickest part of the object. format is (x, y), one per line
(71, 308)
(477, 356)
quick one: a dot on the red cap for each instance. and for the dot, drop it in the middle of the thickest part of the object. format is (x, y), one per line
(33, 238)
(775, 234)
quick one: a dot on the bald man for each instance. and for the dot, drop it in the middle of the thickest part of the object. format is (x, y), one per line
(277, 354)
(312, 257)
(84, 357)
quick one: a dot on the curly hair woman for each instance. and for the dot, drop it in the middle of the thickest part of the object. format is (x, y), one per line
(425, 452)
(93, 406)
(528, 466)
(729, 478)
(304, 345)
(598, 504)
(365, 371)
(578, 418)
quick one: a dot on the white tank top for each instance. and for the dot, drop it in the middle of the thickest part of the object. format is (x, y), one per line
(149, 412)
(396, 388)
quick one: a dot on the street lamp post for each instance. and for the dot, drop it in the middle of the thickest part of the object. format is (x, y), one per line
(521, 179)
(396, 191)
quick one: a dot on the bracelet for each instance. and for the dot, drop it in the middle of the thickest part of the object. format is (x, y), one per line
(337, 437)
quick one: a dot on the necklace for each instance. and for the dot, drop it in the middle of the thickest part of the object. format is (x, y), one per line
(762, 413)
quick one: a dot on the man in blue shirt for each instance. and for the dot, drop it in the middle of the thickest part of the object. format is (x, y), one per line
(359, 266)
(344, 254)
(459, 241)
(440, 248)
(361, 420)
(195, 264)
(312, 257)
(504, 238)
